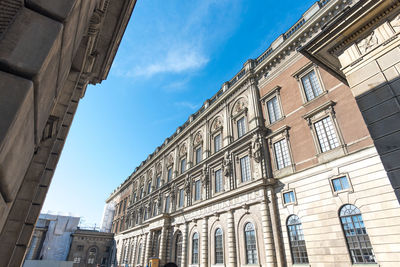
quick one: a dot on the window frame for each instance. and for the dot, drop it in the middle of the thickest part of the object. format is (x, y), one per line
(277, 136)
(219, 135)
(294, 245)
(359, 216)
(314, 116)
(183, 167)
(197, 195)
(195, 259)
(221, 249)
(250, 178)
(198, 157)
(181, 198)
(238, 134)
(350, 189)
(303, 72)
(255, 261)
(288, 191)
(222, 187)
(170, 174)
(275, 92)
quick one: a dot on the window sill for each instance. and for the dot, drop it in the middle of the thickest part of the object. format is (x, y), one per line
(301, 265)
(250, 265)
(332, 154)
(373, 264)
(218, 265)
(277, 121)
(284, 171)
(314, 99)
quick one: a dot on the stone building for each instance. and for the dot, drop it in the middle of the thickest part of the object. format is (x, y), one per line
(278, 168)
(49, 52)
(90, 248)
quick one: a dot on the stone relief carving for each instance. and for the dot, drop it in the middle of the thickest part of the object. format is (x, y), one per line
(182, 150)
(170, 160)
(256, 147)
(368, 43)
(240, 106)
(198, 138)
(217, 124)
(205, 179)
(187, 185)
(158, 168)
(227, 164)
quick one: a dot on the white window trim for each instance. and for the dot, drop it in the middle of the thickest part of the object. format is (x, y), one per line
(283, 198)
(275, 92)
(298, 75)
(348, 190)
(317, 114)
(214, 183)
(276, 136)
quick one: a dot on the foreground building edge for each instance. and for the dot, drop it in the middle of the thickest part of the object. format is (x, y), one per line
(231, 188)
(49, 52)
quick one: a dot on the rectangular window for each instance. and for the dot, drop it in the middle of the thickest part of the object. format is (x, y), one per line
(311, 85)
(183, 165)
(326, 134)
(245, 168)
(274, 112)
(198, 155)
(340, 183)
(181, 197)
(141, 192)
(289, 197)
(197, 190)
(77, 260)
(158, 182)
(241, 127)
(217, 143)
(148, 188)
(134, 197)
(125, 204)
(218, 181)
(282, 154)
(169, 175)
(167, 200)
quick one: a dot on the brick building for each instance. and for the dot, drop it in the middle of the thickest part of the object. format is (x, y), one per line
(278, 168)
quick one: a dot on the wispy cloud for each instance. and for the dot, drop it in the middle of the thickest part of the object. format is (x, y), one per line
(187, 104)
(177, 60)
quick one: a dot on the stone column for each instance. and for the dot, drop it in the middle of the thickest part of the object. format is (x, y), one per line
(275, 227)
(148, 247)
(267, 233)
(144, 247)
(184, 245)
(163, 248)
(231, 240)
(204, 243)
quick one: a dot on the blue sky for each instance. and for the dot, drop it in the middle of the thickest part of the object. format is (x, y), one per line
(174, 55)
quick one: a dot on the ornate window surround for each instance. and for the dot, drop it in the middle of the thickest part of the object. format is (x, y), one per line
(348, 190)
(275, 92)
(302, 72)
(283, 198)
(317, 114)
(242, 113)
(276, 136)
(215, 131)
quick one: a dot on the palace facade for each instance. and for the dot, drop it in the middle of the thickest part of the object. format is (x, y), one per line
(278, 168)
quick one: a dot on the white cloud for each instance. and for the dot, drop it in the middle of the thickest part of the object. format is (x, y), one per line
(177, 60)
(187, 104)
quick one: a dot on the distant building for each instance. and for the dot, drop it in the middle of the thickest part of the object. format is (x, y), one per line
(58, 241)
(91, 248)
(279, 167)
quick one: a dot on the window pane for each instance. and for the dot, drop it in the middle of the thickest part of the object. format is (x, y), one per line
(282, 154)
(158, 182)
(183, 165)
(245, 168)
(241, 127)
(250, 242)
(198, 155)
(296, 240)
(195, 249)
(181, 198)
(218, 181)
(217, 143)
(357, 239)
(167, 200)
(326, 134)
(274, 112)
(197, 192)
(219, 250)
(288, 197)
(311, 85)
(169, 175)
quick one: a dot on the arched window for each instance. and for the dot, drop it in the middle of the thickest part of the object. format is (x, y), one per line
(296, 240)
(92, 255)
(195, 248)
(357, 239)
(178, 249)
(219, 249)
(250, 242)
(139, 253)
